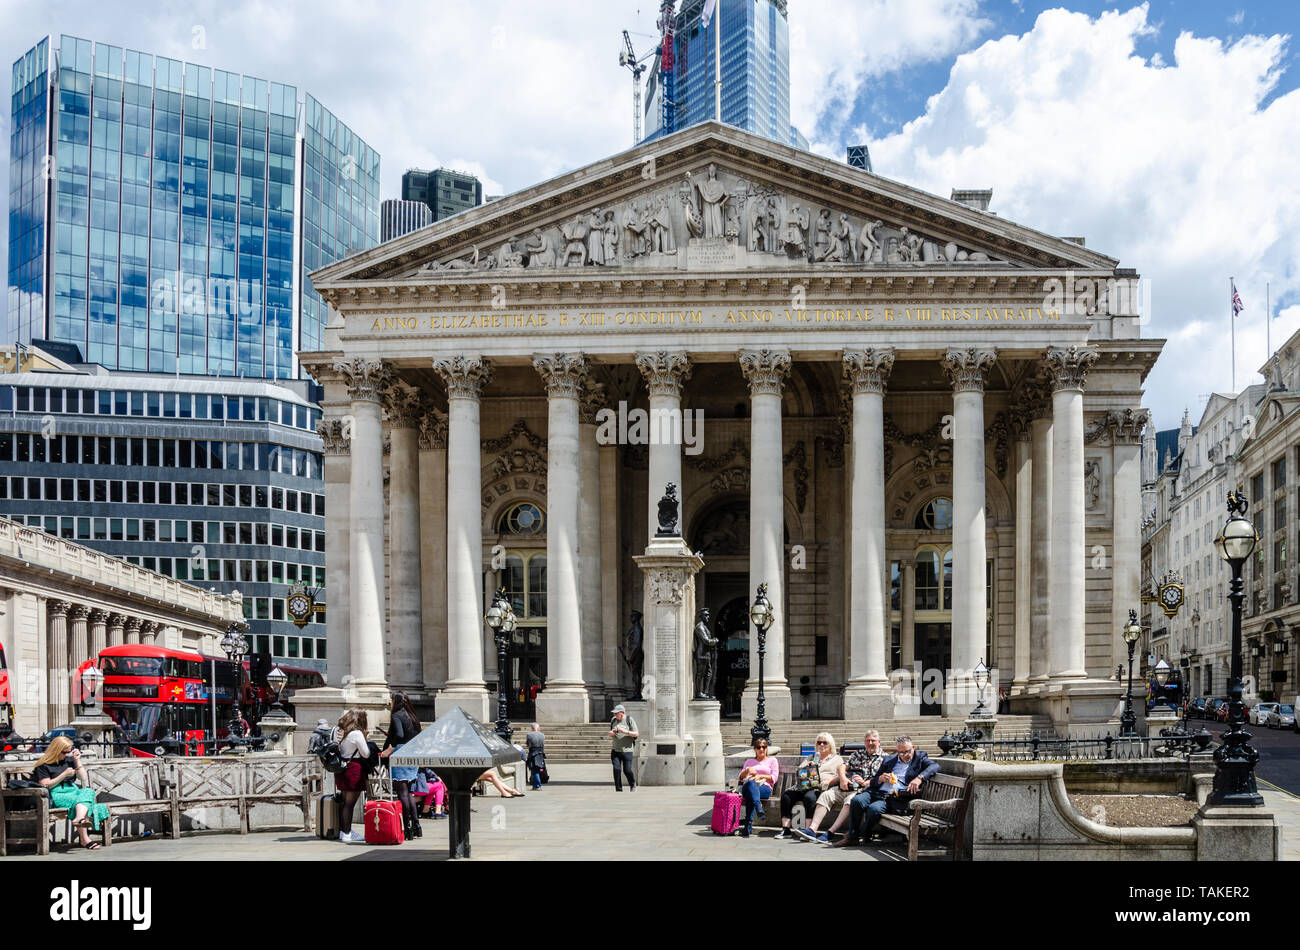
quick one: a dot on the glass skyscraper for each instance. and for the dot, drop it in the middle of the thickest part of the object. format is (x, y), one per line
(755, 71)
(164, 216)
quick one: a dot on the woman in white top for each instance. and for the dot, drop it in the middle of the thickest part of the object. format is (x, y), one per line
(351, 782)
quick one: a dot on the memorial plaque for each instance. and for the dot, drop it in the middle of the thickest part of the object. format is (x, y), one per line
(712, 254)
(662, 748)
(666, 722)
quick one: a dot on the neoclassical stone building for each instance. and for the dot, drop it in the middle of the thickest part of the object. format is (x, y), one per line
(917, 422)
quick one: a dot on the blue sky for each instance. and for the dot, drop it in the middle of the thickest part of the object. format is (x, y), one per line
(1164, 132)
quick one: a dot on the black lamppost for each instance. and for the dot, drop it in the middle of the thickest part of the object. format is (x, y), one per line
(1234, 776)
(235, 646)
(760, 614)
(1132, 633)
(276, 680)
(981, 677)
(501, 618)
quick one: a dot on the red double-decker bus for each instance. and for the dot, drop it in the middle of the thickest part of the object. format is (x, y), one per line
(166, 699)
(6, 697)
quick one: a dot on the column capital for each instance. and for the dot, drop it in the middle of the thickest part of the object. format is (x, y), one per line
(335, 436)
(1128, 425)
(867, 370)
(968, 367)
(117, 620)
(57, 608)
(765, 369)
(98, 616)
(1067, 366)
(591, 401)
(433, 430)
(148, 627)
(133, 624)
(665, 371)
(465, 375)
(78, 611)
(405, 404)
(563, 373)
(366, 378)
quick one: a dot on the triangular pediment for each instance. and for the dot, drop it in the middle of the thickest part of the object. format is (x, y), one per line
(711, 199)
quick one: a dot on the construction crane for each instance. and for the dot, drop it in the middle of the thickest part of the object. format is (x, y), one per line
(627, 57)
(668, 64)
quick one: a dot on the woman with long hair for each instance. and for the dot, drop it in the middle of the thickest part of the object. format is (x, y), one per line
(402, 728)
(351, 782)
(60, 770)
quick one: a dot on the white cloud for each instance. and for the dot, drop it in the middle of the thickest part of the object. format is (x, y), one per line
(1176, 170)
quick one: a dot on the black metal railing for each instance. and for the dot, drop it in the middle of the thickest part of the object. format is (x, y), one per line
(16, 748)
(1049, 747)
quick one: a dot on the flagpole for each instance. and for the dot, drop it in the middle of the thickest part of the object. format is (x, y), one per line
(1232, 282)
(717, 61)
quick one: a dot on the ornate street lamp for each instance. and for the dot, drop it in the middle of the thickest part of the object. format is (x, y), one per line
(276, 680)
(761, 616)
(1234, 776)
(501, 618)
(981, 676)
(235, 647)
(91, 678)
(1132, 633)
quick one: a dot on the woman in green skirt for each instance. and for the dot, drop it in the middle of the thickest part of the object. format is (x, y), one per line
(60, 770)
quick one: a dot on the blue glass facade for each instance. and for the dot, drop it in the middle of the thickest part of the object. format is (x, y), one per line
(178, 196)
(755, 70)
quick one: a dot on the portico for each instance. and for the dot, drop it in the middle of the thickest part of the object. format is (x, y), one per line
(906, 434)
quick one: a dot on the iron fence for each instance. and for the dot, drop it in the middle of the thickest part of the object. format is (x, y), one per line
(1049, 747)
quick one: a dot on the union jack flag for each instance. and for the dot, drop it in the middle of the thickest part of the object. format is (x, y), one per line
(1237, 305)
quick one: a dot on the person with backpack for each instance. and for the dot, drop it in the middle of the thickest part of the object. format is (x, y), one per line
(354, 749)
(402, 728)
(320, 737)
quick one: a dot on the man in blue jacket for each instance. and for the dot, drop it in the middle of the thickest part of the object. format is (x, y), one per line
(897, 783)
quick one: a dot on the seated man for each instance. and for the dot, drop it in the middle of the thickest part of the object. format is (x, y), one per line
(863, 766)
(860, 767)
(897, 783)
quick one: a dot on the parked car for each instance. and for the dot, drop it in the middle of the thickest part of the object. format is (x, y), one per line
(1259, 713)
(1283, 717)
(1196, 709)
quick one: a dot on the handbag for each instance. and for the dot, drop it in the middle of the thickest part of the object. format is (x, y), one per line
(546, 776)
(810, 777)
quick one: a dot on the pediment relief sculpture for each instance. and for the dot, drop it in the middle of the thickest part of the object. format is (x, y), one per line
(712, 206)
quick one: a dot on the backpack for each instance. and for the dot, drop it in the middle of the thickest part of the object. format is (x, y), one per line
(331, 759)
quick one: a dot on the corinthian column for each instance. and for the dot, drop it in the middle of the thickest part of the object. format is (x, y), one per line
(116, 628)
(665, 372)
(366, 380)
(148, 631)
(1126, 562)
(1040, 533)
(433, 546)
(405, 407)
(465, 376)
(589, 560)
(766, 371)
(1067, 367)
(336, 438)
(58, 709)
(967, 369)
(867, 695)
(565, 697)
(78, 615)
(98, 631)
(133, 629)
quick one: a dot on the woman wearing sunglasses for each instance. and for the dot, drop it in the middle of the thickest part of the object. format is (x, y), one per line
(756, 781)
(824, 768)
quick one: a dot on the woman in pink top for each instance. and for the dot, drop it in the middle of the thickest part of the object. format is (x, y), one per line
(756, 781)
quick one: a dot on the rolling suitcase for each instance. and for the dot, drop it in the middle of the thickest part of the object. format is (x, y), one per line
(383, 818)
(726, 813)
(327, 816)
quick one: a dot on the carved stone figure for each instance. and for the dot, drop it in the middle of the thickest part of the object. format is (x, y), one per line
(575, 242)
(541, 249)
(706, 655)
(869, 238)
(595, 237)
(634, 654)
(633, 231)
(609, 229)
(668, 513)
(731, 230)
(507, 256)
(794, 234)
(909, 246)
(660, 229)
(458, 263)
(762, 230)
(713, 196)
(844, 238)
(1092, 486)
(821, 248)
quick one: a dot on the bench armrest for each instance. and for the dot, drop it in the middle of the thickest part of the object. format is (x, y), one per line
(24, 792)
(920, 806)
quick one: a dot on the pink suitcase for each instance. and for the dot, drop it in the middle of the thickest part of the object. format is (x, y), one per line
(726, 813)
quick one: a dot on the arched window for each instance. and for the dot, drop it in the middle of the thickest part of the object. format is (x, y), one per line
(935, 516)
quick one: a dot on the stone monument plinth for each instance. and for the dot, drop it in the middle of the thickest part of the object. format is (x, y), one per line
(680, 738)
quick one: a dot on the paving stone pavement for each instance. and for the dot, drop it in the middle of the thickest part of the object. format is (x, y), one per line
(578, 816)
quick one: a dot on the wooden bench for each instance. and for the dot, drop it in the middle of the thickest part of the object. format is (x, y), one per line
(938, 809)
(126, 786)
(243, 782)
(284, 780)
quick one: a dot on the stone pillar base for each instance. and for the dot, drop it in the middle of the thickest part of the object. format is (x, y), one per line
(558, 704)
(985, 724)
(1160, 718)
(704, 726)
(667, 763)
(1226, 833)
(1084, 708)
(869, 701)
(100, 727)
(278, 729)
(777, 699)
(323, 702)
(475, 700)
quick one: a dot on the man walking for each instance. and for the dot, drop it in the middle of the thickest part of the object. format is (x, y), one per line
(536, 759)
(623, 731)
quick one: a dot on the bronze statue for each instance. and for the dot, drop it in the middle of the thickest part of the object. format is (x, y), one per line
(706, 656)
(668, 513)
(634, 654)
